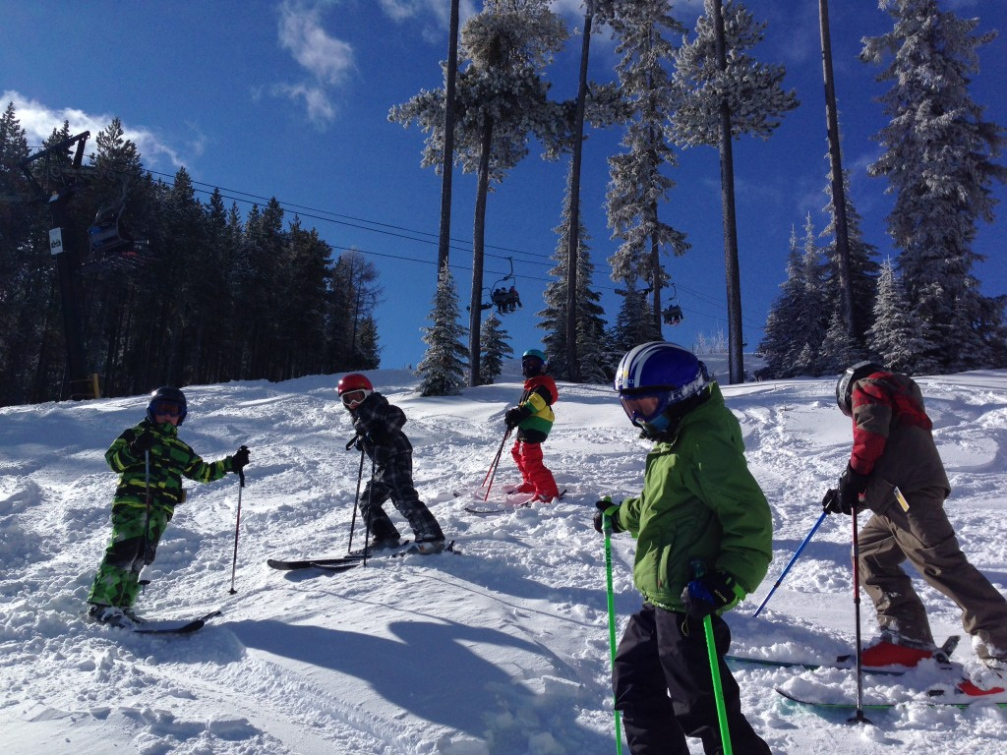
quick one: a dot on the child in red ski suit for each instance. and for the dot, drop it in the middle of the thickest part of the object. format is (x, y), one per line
(533, 418)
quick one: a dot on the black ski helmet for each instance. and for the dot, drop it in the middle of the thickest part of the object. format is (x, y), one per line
(168, 395)
(844, 387)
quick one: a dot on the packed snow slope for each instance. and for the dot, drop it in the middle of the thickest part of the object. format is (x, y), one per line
(500, 650)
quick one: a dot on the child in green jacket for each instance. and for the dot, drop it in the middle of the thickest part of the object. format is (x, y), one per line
(704, 540)
(151, 460)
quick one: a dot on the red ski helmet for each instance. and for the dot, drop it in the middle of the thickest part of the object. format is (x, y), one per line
(353, 389)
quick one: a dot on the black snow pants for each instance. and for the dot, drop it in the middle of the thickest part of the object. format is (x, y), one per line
(664, 690)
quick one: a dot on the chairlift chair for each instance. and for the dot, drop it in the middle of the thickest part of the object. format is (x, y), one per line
(108, 239)
(673, 314)
(506, 300)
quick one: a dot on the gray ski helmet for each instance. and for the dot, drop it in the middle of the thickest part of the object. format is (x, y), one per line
(844, 387)
(168, 395)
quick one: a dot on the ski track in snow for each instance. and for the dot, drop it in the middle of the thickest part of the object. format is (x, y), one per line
(501, 650)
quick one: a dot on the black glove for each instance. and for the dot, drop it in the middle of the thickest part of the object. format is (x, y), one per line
(353, 442)
(605, 506)
(141, 444)
(515, 416)
(851, 485)
(240, 459)
(831, 503)
(709, 593)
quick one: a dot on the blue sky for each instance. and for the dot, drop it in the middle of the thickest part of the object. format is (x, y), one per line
(290, 99)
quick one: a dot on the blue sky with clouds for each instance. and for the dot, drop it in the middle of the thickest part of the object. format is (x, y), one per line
(290, 99)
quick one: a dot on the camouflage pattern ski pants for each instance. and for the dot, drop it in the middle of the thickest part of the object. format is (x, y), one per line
(133, 544)
(394, 479)
(924, 537)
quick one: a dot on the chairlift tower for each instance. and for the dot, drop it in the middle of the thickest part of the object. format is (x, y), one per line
(55, 178)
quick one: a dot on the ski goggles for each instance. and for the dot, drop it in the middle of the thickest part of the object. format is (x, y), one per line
(644, 407)
(166, 409)
(353, 399)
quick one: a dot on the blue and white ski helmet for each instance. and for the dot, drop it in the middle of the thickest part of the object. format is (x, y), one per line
(655, 376)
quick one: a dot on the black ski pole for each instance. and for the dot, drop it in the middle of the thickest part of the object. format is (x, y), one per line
(369, 513)
(356, 500)
(859, 718)
(237, 529)
(146, 525)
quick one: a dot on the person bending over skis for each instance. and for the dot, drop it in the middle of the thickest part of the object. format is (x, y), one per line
(151, 460)
(896, 471)
(379, 434)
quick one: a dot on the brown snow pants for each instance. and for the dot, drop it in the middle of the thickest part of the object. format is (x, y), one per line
(924, 537)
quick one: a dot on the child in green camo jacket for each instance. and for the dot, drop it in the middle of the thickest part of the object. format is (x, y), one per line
(151, 460)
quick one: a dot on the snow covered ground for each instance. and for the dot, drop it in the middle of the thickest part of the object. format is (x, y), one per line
(501, 650)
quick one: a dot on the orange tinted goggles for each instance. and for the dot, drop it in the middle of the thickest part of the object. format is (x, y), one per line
(643, 407)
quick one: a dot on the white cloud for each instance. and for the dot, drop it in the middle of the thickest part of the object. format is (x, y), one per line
(316, 101)
(328, 60)
(403, 10)
(39, 121)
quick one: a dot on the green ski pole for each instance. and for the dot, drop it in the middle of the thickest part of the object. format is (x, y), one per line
(698, 570)
(718, 689)
(607, 527)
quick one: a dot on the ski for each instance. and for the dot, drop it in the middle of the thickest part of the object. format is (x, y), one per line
(345, 563)
(849, 661)
(935, 698)
(169, 627)
(508, 505)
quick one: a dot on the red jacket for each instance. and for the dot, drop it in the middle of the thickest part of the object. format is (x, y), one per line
(892, 439)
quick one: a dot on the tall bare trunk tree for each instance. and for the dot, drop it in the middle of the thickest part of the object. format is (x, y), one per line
(720, 97)
(502, 102)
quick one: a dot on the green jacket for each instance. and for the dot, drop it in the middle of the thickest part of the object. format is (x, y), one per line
(170, 459)
(699, 501)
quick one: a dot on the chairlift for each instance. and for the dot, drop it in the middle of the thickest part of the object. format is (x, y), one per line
(506, 300)
(673, 313)
(108, 239)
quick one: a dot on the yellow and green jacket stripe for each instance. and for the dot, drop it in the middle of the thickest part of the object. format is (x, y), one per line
(539, 395)
(170, 460)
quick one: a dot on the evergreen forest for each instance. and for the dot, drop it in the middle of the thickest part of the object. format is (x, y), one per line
(152, 281)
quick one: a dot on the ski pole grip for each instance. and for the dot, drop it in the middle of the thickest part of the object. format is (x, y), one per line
(697, 568)
(241, 477)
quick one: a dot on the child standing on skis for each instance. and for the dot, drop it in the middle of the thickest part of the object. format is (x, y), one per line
(379, 435)
(533, 417)
(151, 461)
(704, 540)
